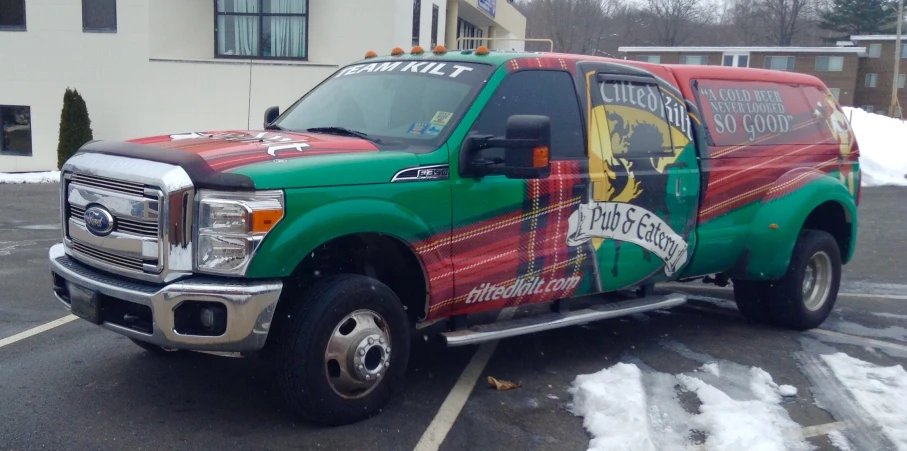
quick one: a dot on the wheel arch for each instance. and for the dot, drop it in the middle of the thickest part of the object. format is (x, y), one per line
(391, 232)
(821, 203)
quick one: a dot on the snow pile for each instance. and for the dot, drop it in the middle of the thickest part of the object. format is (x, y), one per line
(629, 410)
(883, 147)
(30, 177)
(880, 391)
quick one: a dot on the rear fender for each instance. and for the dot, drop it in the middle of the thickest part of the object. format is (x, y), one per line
(776, 227)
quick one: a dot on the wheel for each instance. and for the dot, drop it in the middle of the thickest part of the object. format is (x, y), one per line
(807, 293)
(342, 350)
(805, 296)
(154, 348)
(750, 298)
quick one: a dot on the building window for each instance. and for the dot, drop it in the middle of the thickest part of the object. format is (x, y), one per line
(12, 14)
(872, 80)
(262, 28)
(700, 60)
(829, 63)
(99, 15)
(779, 62)
(434, 25)
(868, 108)
(15, 130)
(875, 50)
(417, 20)
(903, 51)
(654, 59)
(736, 61)
(835, 92)
(468, 30)
(902, 80)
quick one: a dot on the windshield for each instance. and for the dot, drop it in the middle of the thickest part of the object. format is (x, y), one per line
(408, 103)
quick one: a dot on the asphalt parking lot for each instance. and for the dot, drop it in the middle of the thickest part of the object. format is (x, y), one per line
(79, 387)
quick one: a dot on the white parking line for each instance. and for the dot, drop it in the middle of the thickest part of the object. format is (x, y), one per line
(898, 297)
(808, 432)
(863, 340)
(824, 429)
(37, 330)
(444, 420)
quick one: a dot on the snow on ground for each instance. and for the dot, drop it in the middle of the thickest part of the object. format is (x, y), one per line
(627, 409)
(30, 177)
(883, 153)
(880, 391)
(839, 440)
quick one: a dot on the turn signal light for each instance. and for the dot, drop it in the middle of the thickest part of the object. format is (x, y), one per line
(370, 54)
(265, 220)
(417, 50)
(482, 50)
(540, 157)
(440, 50)
(397, 51)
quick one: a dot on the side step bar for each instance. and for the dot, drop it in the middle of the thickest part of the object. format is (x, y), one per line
(539, 323)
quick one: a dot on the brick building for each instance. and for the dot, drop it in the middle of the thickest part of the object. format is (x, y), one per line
(875, 74)
(859, 71)
(838, 67)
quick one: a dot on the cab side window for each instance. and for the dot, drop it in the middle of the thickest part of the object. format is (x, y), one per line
(540, 92)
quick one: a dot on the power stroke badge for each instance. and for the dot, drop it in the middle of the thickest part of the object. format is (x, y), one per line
(630, 223)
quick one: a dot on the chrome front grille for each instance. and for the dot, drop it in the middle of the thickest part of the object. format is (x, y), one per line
(123, 224)
(109, 184)
(131, 264)
(140, 217)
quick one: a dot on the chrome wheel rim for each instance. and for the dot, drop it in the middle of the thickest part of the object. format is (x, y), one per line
(817, 281)
(358, 354)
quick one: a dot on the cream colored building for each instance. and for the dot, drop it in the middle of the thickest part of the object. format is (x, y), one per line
(148, 67)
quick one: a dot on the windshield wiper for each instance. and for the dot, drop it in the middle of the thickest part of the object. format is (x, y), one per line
(344, 132)
(274, 127)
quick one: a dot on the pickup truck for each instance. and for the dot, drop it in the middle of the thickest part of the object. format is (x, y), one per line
(417, 190)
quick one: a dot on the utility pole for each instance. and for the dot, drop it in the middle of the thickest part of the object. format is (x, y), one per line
(897, 62)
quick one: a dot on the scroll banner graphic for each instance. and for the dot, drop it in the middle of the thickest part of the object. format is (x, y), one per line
(630, 223)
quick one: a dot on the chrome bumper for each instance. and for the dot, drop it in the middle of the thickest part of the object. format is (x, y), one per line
(249, 305)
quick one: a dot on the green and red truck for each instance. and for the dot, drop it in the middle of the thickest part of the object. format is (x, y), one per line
(415, 191)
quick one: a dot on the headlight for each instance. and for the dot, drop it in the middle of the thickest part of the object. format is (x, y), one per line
(231, 226)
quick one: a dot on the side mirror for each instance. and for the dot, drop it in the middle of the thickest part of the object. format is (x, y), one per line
(527, 147)
(271, 115)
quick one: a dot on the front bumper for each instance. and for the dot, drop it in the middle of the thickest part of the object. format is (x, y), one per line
(124, 303)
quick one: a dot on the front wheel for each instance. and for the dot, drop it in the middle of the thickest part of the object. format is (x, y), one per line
(343, 350)
(807, 293)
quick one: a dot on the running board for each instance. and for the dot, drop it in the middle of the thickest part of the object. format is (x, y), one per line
(539, 323)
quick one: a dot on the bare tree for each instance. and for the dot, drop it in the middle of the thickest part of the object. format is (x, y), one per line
(744, 21)
(784, 19)
(674, 21)
(575, 26)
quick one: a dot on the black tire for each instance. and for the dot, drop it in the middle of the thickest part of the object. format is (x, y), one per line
(155, 349)
(750, 298)
(786, 301)
(303, 337)
(781, 302)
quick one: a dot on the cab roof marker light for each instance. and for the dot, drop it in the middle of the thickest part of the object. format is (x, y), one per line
(440, 50)
(482, 50)
(397, 51)
(370, 54)
(417, 50)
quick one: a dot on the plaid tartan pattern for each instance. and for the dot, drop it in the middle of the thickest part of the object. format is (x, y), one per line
(528, 244)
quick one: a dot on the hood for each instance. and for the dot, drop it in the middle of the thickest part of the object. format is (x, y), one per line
(246, 158)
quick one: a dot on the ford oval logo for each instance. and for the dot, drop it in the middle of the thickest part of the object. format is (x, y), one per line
(98, 221)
